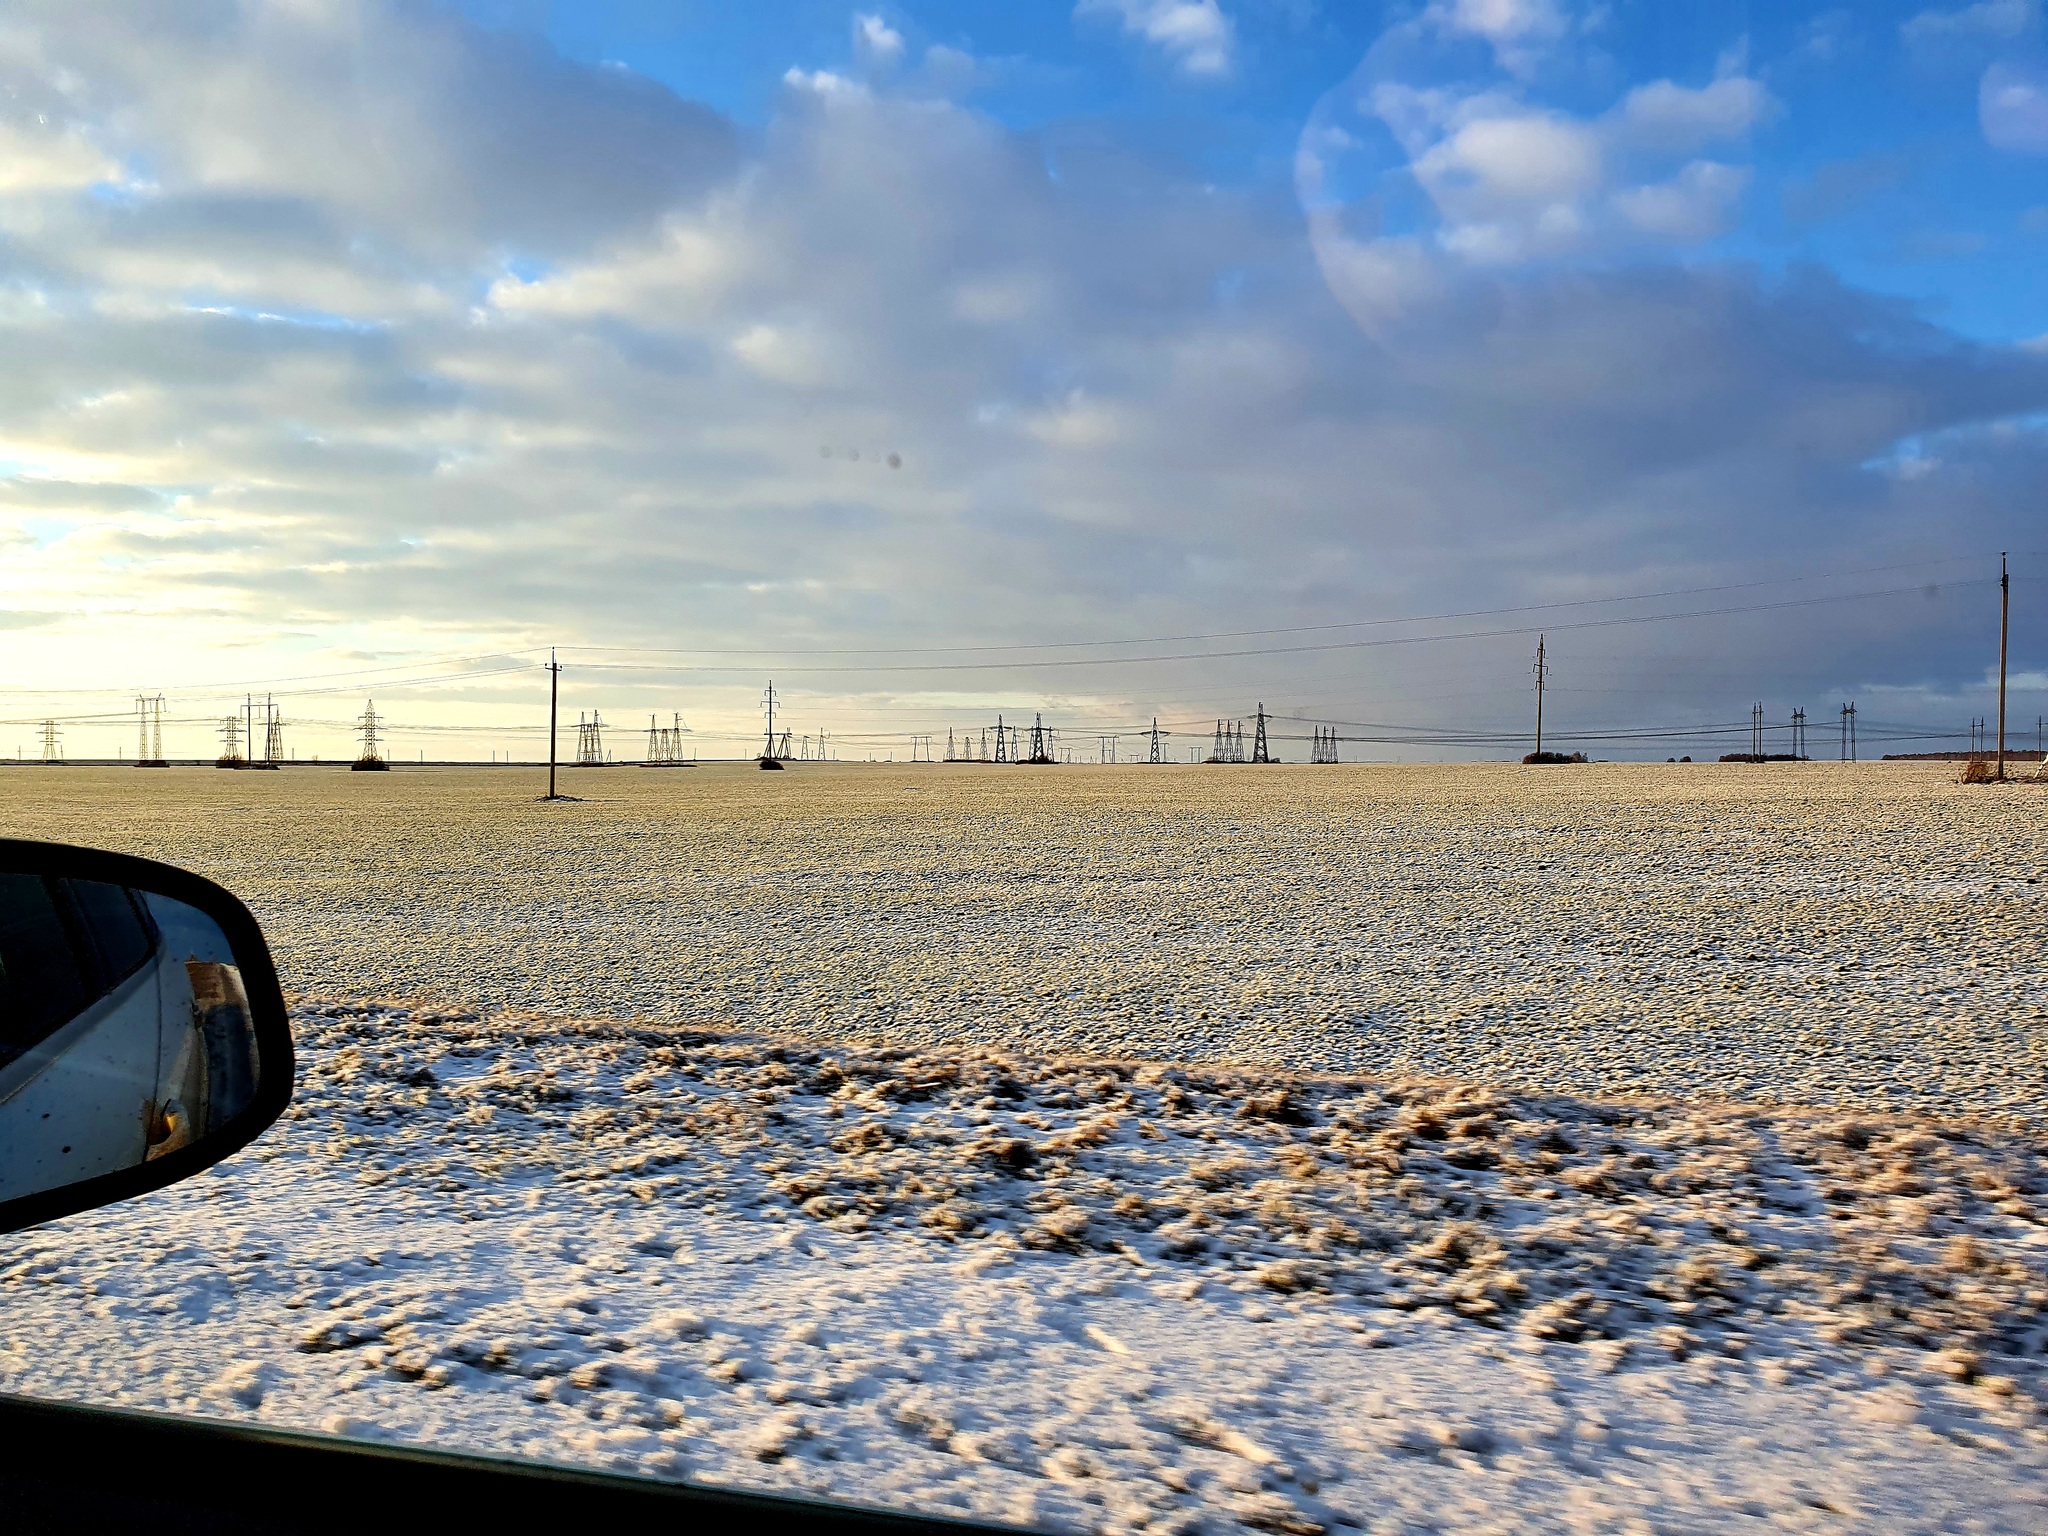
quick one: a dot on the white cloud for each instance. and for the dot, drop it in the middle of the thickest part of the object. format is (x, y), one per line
(1077, 422)
(1002, 299)
(429, 138)
(824, 83)
(784, 354)
(1520, 31)
(1509, 179)
(1694, 206)
(38, 158)
(876, 43)
(1488, 161)
(1988, 20)
(697, 265)
(1194, 34)
(1664, 115)
(1381, 280)
(2012, 107)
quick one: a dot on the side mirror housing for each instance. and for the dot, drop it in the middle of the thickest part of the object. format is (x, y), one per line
(142, 1030)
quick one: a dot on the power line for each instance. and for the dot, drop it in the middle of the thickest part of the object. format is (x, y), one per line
(1297, 629)
(1280, 650)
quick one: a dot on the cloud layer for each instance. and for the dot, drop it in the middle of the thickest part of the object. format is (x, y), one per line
(341, 331)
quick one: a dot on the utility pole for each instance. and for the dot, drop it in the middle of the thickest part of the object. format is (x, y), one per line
(554, 693)
(1259, 752)
(1542, 672)
(2004, 612)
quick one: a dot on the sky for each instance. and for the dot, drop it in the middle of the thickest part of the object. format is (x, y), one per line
(1112, 361)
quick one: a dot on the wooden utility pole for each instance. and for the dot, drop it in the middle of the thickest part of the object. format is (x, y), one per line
(554, 691)
(1541, 670)
(2004, 612)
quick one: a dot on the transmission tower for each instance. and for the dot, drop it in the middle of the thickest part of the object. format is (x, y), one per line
(1221, 753)
(1002, 739)
(273, 733)
(231, 743)
(370, 725)
(1325, 749)
(1260, 754)
(1848, 733)
(783, 753)
(768, 704)
(53, 751)
(949, 744)
(150, 721)
(1041, 741)
(1157, 756)
(1799, 734)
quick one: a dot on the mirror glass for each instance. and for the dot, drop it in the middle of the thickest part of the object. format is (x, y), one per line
(125, 1033)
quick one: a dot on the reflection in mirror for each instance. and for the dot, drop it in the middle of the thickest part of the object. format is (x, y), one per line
(124, 1030)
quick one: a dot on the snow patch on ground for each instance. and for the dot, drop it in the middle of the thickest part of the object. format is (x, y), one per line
(1084, 1292)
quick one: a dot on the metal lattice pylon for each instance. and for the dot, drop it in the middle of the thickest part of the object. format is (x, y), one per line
(370, 725)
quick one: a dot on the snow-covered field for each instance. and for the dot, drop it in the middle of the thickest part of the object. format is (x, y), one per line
(1085, 1292)
(1025, 1187)
(1866, 935)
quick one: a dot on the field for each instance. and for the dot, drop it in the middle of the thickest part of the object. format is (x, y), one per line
(1864, 936)
(1119, 1147)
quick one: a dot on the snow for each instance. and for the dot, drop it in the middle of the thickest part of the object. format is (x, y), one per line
(1083, 1291)
(1438, 1148)
(1863, 935)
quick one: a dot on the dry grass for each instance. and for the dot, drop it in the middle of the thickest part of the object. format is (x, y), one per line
(1687, 1228)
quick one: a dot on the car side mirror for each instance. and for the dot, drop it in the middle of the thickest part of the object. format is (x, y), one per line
(142, 1030)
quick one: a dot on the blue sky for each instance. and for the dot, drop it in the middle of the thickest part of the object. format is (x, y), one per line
(919, 352)
(1873, 162)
